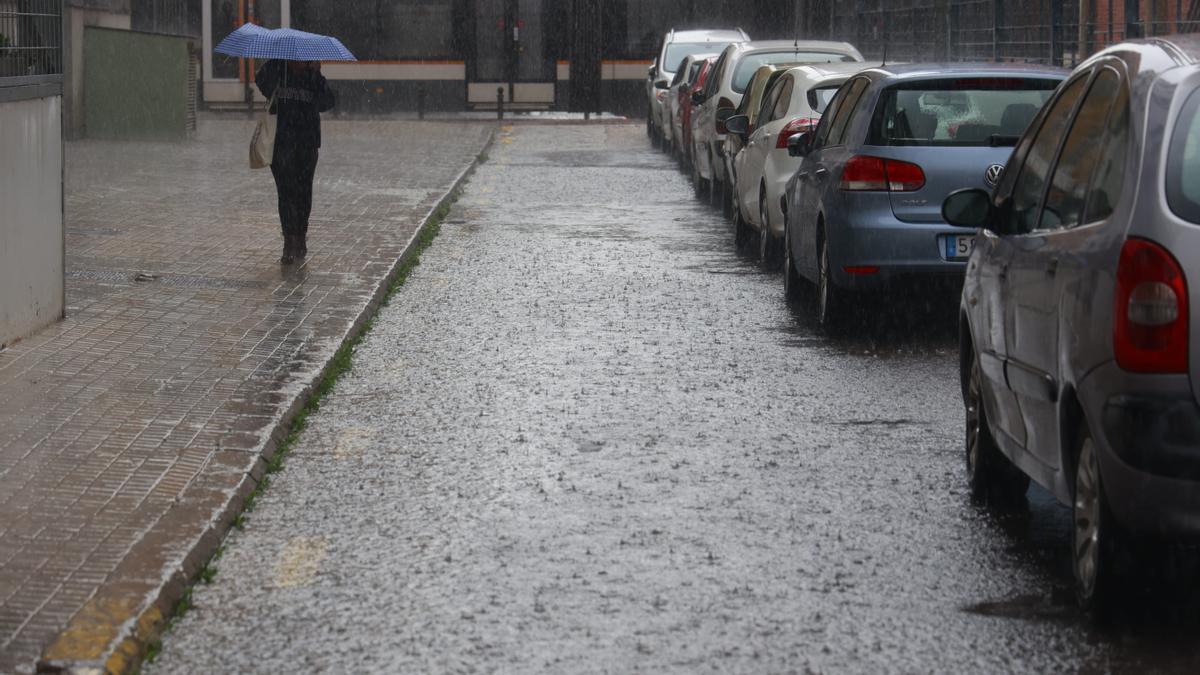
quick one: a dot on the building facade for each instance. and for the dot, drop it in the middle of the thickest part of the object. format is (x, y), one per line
(456, 54)
(31, 167)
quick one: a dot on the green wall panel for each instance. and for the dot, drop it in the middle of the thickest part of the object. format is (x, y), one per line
(134, 85)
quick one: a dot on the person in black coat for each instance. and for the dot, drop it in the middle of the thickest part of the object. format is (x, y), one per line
(301, 94)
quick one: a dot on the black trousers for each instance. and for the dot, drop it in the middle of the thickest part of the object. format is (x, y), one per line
(294, 170)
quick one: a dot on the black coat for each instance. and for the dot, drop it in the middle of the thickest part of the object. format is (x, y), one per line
(299, 101)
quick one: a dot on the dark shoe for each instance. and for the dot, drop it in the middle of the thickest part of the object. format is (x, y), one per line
(289, 251)
(301, 247)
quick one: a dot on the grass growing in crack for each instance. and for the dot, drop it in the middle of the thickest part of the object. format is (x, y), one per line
(338, 367)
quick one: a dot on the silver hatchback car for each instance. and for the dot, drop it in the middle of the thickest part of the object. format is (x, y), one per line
(1080, 334)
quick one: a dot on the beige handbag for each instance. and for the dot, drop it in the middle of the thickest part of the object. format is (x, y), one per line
(262, 143)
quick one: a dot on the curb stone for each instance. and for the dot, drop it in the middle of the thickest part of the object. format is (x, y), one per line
(112, 631)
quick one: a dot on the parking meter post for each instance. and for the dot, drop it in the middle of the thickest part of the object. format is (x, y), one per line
(499, 103)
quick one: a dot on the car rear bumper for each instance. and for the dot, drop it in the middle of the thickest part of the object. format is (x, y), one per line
(1148, 441)
(882, 249)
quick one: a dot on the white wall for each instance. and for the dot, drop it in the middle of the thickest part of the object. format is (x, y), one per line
(31, 216)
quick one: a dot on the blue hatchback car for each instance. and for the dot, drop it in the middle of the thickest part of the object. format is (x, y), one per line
(864, 208)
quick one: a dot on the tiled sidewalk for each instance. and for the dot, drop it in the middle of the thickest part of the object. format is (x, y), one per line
(127, 430)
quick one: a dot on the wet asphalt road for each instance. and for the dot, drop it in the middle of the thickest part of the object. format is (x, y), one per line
(588, 437)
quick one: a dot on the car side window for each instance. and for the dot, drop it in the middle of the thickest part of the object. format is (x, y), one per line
(837, 134)
(1110, 173)
(827, 119)
(784, 99)
(768, 103)
(1080, 155)
(710, 86)
(1022, 213)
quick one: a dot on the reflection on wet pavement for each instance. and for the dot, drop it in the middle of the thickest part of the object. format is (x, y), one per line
(587, 437)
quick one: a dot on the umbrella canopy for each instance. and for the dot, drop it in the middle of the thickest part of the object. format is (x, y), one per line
(283, 43)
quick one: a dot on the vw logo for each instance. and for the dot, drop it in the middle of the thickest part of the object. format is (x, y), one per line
(992, 175)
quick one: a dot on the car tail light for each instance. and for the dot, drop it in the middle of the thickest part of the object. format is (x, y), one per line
(1150, 310)
(796, 126)
(723, 103)
(863, 173)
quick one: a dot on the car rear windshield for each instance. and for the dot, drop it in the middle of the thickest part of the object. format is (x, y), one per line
(1183, 164)
(752, 62)
(819, 97)
(678, 51)
(966, 111)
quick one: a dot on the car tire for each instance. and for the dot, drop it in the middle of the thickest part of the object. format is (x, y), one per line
(768, 245)
(1100, 550)
(742, 234)
(699, 184)
(829, 297)
(792, 283)
(991, 477)
(726, 197)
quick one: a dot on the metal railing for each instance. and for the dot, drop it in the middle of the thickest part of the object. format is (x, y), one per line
(30, 39)
(1036, 31)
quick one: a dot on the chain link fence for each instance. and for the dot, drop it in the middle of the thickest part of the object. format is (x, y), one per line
(1036, 31)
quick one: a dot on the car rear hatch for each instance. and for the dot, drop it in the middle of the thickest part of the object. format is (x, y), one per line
(945, 170)
(960, 131)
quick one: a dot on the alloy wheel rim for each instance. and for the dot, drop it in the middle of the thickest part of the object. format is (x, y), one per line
(974, 419)
(1086, 530)
(824, 283)
(764, 235)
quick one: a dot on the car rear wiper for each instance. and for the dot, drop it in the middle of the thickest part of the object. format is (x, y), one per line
(1001, 141)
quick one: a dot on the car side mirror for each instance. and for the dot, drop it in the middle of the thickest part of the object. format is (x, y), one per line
(738, 124)
(698, 97)
(662, 84)
(970, 207)
(799, 145)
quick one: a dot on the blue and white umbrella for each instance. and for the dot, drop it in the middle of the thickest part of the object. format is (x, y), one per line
(254, 41)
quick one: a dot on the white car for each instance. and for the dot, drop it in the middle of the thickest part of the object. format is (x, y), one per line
(725, 87)
(763, 167)
(676, 45)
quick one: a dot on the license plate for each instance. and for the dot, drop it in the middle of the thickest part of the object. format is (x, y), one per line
(958, 246)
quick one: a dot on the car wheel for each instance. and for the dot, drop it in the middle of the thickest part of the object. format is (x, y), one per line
(728, 187)
(768, 246)
(741, 232)
(829, 301)
(990, 475)
(1098, 543)
(699, 184)
(791, 278)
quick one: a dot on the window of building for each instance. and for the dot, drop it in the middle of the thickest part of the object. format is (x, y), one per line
(30, 38)
(386, 31)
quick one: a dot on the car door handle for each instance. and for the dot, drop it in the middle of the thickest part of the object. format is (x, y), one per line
(820, 174)
(1052, 268)
(803, 175)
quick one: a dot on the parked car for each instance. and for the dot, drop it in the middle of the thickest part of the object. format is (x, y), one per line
(761, 169)
(679, 99)
(677, 45)
(1080, 331)
(726, 86)
(864, 208)
(749, 108)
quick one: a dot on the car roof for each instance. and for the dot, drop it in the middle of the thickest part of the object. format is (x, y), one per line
(797, 45)
(821, 71)
(702, 35)
(921, 71)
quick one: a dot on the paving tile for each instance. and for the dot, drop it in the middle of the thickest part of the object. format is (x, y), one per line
(110, 416)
